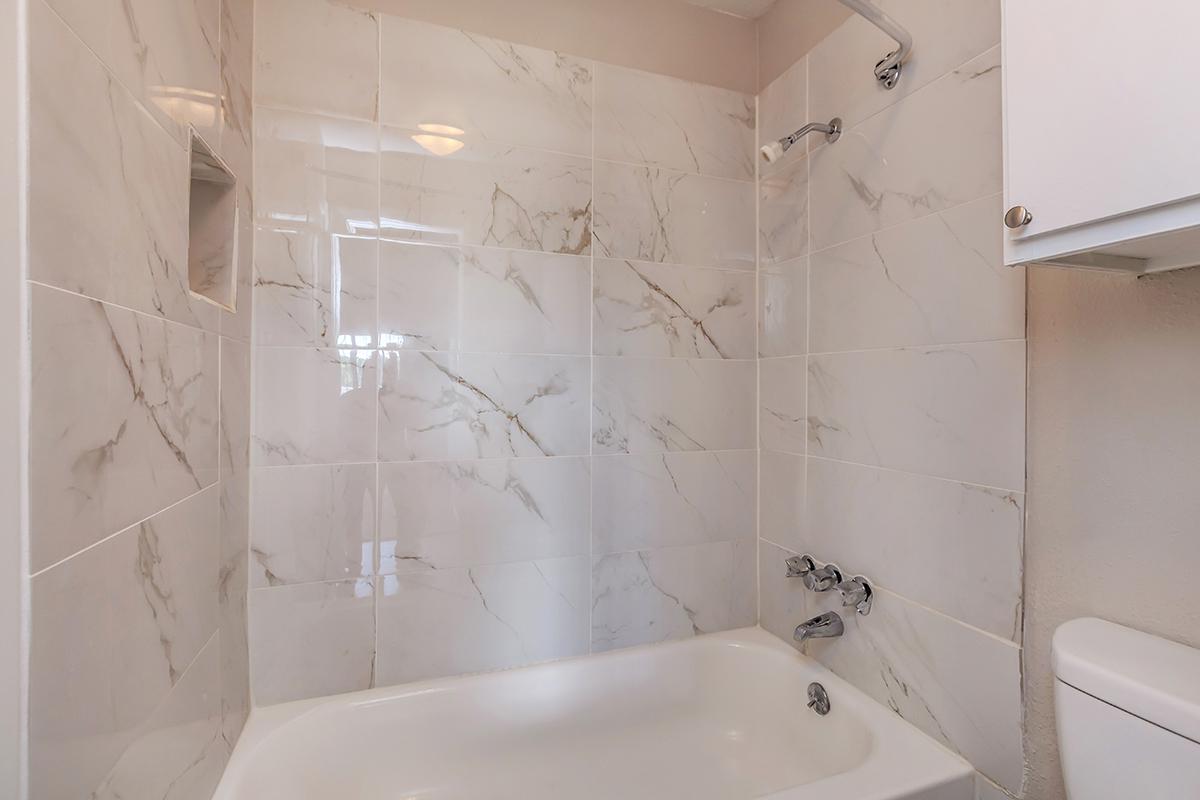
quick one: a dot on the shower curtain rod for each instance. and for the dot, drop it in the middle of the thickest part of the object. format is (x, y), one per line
(887, 71)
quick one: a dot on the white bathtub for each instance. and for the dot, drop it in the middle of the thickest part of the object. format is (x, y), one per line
(718, 716)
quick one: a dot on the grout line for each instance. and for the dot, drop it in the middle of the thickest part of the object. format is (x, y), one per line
(481, 353)
(591, 312)
(144, 314)
(215, 485)
(927, 347)
(944, 479)
(656, 455)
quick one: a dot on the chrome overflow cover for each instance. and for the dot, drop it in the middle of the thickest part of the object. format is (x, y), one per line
(818, 699)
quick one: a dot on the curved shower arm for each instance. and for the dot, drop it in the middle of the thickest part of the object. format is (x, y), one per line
(887, 71)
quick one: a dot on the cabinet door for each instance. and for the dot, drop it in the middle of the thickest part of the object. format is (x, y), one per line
(1102, 107)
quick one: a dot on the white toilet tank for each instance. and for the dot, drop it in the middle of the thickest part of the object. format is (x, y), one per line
(1128, 713)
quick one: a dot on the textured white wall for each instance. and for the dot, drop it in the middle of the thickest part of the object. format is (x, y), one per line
(1114, 455)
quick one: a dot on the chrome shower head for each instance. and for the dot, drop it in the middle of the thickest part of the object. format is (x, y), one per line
(774, 151)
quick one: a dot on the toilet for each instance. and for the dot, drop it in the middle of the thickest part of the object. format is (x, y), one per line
(1128, 713)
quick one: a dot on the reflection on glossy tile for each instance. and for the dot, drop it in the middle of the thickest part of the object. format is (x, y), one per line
(313, 523)
(888, 169)
(444, 78)
(316, 173)
(951, 412)
(124, 419)
(314, 288)
(958, 685)
(661, 121)
(179, 751)
(486, 194)
(669, 499)
(657, 405)
(317, 55)
(483, 300)
(167, 54)
(237, 104)
(783, 214)
(453, 514)
(312, 639)
(783, 602)
(314, 406)
(936, 280)
(646, 309)
(488, 617)
(950, 33)
(899, 529)
(781, 498)
(650, 214)
(437, 406)
(656, 595)
(115, 628)
(783, 309)
(781, 404)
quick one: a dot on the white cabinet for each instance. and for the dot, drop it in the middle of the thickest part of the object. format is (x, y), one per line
(1102, 133)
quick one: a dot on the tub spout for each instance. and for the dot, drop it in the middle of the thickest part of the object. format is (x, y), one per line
(823, 626)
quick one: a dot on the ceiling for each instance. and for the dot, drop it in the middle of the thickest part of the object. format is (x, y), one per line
(750, 9)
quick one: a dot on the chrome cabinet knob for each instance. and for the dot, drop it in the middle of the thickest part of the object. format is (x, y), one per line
(1017, 217)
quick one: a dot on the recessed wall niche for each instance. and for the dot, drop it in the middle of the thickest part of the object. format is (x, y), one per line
(212, 227)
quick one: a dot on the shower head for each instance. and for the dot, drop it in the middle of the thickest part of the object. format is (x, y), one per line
(774, 151)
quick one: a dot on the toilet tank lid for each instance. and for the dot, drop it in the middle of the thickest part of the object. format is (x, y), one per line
(1152, 678)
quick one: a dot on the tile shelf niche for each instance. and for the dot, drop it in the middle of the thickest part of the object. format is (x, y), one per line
(212, 227)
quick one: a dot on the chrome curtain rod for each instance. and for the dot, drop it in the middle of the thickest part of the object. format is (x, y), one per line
(887, 71)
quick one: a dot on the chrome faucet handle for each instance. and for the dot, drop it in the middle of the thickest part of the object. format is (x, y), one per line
(823, 578)
(799, 566)
(857, 592)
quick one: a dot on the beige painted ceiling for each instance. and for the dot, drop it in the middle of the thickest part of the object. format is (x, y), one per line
(750, 9)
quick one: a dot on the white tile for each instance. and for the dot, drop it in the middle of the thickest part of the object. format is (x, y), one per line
(669, 499)
(314, 406)
(661, 121)
(782, 425)
(113, 630)
(490, 89)
(661, 405)
(312, 639)
(646, 309)
(841, 66)
(950, 412)
(781, 498)
(650, 214)
(438, 406)
(108, 186)
(486, 194)
(453, 514)
(490, 617)
(939, 279)
(889, 169)
(483, 300)
(899, 529)
(958, 685)
(783, 309)
(179, 751)
(312, 523)
(123, 422)
(657, 595)
(167, 54)
(317, 55)
(783, 213)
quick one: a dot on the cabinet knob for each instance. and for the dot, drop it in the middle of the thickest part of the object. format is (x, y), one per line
(1017, 217)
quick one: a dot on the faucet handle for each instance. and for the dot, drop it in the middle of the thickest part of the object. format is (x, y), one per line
(799, 566)
(823, 578)
(857, 592)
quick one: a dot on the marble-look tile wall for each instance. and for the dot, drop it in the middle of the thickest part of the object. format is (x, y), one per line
(504, 354)
(892, 376)
(140, 421)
